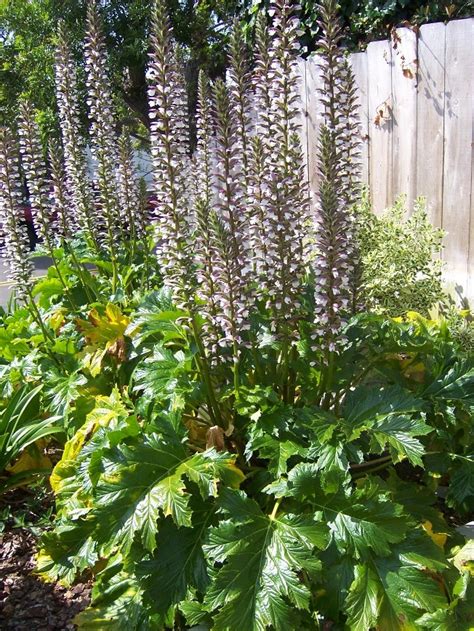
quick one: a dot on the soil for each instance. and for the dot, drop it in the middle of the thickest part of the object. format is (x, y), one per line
(26, 602)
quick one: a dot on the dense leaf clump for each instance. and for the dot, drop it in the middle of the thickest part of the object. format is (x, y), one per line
(304, 512)
(401, 259)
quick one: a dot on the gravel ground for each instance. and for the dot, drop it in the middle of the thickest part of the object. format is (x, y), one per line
(26, 602)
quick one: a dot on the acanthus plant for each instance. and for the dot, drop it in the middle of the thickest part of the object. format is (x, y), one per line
(258, 471)
(84, 212)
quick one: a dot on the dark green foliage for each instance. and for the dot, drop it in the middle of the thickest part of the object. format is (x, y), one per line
(27, 48)
(328, 523)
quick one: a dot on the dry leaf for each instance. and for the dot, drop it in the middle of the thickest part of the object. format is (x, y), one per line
(215, 438)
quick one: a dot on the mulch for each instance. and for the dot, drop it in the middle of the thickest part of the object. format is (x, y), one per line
(26, 602)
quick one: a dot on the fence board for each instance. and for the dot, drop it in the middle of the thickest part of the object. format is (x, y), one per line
(417, 128)
(315, 118)
(404, 117)
(359, 68)
(379, 60)
(430, 118)
(470, 260)
(458, 149)
(304, 132)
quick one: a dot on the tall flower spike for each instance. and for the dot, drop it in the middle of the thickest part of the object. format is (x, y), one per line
(239, 81)
(350, 170)
(129, 188)
(35, 171)
(288, 208)
(77, 180)
(228, 173)
(261, 79)
(230, 292)
(102, 132)
(260, 156)
(59, 195)
(335, 239)
(15, 247)
(206, 254)
(169, 136)
(350, 134)
(230, 225)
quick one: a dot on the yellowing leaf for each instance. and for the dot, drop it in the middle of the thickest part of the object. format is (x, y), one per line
(92, 360)
(115, 315)
(104, 329)
(438, 537)
(107, 410)
(57, 320)
(31, 459)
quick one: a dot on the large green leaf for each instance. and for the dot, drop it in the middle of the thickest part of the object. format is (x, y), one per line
(145, 480)
(117, 603)
(178, 562)
(157, 319)
(388, 595)
(456, 384)
(164, 376)
(277, 451)
(363, 600)
(263, 556)
(400, 434)
(365, 520)
(459, 615)
(67, 550)
(64, 388)
(364, 404)
(461, 487)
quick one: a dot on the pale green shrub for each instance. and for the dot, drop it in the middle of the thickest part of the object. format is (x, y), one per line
(399, 254)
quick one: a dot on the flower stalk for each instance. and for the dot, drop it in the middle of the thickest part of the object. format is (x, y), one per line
(77, 176)
(38, 185)
(338, 169)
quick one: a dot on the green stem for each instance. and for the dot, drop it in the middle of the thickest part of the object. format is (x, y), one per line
(256, 363)
(292, 377)
(205, 374)
(60, 276)
(275, 508)
(80, 273)
(327, 381)
(37, 316)
(361, 474)
(113, 260)
(284, 366)
(236, 370)
(370, 463)
(31, 305)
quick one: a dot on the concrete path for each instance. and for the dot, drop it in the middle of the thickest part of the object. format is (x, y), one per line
(41, 265)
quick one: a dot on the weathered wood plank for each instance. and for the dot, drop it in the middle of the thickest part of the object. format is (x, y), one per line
(470, 261)
(379, 61)
(404, 117)
(359, 68)
(304, 111)
(430, 118)
(314, 120)
(459, 78)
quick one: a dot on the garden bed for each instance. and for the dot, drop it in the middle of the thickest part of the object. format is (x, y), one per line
(27, 603)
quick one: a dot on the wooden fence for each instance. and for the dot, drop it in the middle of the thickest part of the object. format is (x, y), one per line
(416, 95)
